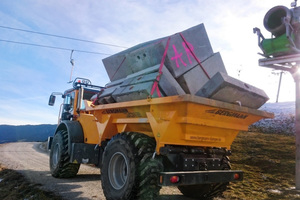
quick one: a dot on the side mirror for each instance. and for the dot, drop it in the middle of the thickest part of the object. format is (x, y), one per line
(51, 100)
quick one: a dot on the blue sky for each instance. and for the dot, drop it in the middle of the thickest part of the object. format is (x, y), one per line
(29, 74)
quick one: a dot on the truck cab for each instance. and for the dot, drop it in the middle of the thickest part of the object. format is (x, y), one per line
(74, 97)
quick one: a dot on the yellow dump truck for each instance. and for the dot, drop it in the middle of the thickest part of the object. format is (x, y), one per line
(142, 145)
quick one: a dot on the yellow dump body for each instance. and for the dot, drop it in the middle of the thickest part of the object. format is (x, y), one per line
(176, 120)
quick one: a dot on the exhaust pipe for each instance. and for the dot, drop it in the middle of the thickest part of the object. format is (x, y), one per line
(273, 20)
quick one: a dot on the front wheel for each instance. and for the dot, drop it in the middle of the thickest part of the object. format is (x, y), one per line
(60, 166)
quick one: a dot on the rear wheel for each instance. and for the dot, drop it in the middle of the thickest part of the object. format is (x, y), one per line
(60, 166)
(206, 191)
(128, 170)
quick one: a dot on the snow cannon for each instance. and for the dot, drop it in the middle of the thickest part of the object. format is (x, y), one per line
(284, 25)
(274, 20)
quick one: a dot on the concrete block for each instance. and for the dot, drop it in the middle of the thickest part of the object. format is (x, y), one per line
(227, 89)
(178, 60)
(140, 87)
(168, 84)
(104, 97)
(108, 91)
(195, 79)
(145, 57)
(115, 83)
(133, 92)
(106, 100)
(127, 62)
(142, 72)
(140, 79)
(149, 70)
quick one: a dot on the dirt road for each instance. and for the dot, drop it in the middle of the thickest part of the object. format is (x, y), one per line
(32, 161)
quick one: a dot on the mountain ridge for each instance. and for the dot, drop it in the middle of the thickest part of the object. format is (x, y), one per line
(26, 133)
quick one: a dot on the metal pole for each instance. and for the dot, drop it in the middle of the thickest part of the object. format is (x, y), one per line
(279, 86)
(296, 77)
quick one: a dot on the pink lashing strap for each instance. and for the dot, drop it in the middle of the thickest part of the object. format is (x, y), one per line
(118, 67)
(155, 84)
(192, 52)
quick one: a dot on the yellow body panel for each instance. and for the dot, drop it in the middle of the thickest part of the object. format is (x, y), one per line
(177, 120)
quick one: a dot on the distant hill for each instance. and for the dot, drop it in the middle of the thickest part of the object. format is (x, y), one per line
(26, 133)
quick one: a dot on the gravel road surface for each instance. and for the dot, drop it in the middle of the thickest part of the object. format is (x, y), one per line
(30, 159)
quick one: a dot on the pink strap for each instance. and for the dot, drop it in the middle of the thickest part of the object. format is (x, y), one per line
(194, 56)
(155, 84)
(118, 67)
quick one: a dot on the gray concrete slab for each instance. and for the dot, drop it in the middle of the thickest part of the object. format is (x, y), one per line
(142, 72)
(179, 58)
(117, 65)
(140, 79)
(168, 84)
(108, 91)
(195, 79)
(134, 92)
(143, 84)
(227, 89)
(115, 83)
(145, 71)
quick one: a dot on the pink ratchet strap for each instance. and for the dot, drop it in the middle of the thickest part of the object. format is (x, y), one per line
(155, 84)
(194, 56)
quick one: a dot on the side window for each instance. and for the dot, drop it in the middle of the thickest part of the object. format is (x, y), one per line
(69, 102)
(82, 105)
(87, 95)
(68, 106)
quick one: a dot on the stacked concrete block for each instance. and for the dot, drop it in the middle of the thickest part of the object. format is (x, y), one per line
(133, 92)
(169, 85)
(225, 88)
(179, 58)
(189, 67)
(105, 96)
(139, 87)
(129, 62)
(194, 79)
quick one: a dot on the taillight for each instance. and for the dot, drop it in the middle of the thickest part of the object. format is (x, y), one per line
(174, 179)
(236, 176)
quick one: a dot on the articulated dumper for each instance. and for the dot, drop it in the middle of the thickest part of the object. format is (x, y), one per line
(142, 145)
(176, 138)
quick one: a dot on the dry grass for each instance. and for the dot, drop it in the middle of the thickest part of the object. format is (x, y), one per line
(14, 186)
(268, 162)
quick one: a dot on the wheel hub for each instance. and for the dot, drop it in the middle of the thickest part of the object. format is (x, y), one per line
(55, 155)
(118, 170)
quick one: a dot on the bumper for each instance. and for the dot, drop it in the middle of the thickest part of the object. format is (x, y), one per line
(199, 177)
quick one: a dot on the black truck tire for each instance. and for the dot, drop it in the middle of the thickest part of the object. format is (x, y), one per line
(60, 166)
(128, 171)
(206, 191)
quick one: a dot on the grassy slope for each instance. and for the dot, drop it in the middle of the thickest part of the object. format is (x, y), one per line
(268, 162)
(14, 186)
